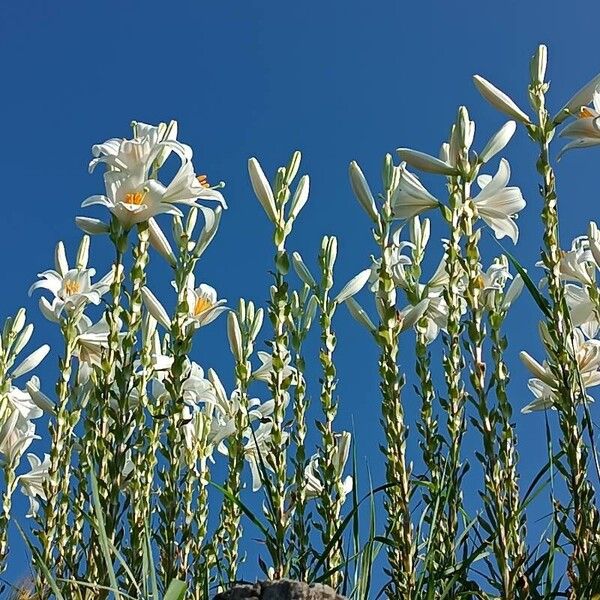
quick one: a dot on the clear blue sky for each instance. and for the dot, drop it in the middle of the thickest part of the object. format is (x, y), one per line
(339, 81)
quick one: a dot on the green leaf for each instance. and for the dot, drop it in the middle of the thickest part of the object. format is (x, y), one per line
(101, 529)
(40, 563)
(535, 293)
(176, 590)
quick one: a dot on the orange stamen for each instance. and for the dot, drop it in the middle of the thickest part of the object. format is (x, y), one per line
(585, 112)
(202, 305)
(203, 180)
(72, 287)
(135, 198)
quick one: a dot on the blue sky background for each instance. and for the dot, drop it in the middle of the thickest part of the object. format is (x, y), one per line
(339, 81)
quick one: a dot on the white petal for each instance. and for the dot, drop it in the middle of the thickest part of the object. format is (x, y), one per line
(98, 199)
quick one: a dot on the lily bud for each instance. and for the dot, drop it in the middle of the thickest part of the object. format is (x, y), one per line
(300, 197)
(234, 334)
(361, 190)
(92, 226)
(302, 270)
(499, 99)
(425, 162)
(353, 286)
(498, 141)
(538, 64)
(155, 308)
(83, 252)
(359, 314)
(159, 242)
(262, 189)
(31, 362)
(294, 165)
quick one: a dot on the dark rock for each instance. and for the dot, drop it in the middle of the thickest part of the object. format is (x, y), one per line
(283, 589)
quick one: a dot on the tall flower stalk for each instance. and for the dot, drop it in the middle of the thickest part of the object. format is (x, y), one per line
(274, 201)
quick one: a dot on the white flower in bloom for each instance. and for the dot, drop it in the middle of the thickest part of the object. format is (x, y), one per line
(577, 264)
(263, 373)
(313, 484)
(585, 129)
(71, 288)
(410, 198)
(20, 401)
(587, 355)
(92, 340)
(493, 282)
(498, 204)
(582, 309)
(32, 482)
(133, 193)
(396, 260)
(257, 445)
(203, 303)
(151, 144)
(16, 435)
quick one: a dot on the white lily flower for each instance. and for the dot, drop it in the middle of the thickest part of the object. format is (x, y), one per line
(587, 355)
(151, 145)
(497, 204)
(582, 309)
(32, 482)
(263, 373)
(133, 200)
(410, 198)
(257, 444)
(92, 340)
(313, 486)
(72, 289)
(16, 435)
(585, 129)
(578, 263)
(579, 100)
(20, 401)
(203, 303)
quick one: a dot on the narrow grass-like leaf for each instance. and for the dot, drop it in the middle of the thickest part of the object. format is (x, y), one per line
(101, 530)
(529, 284)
